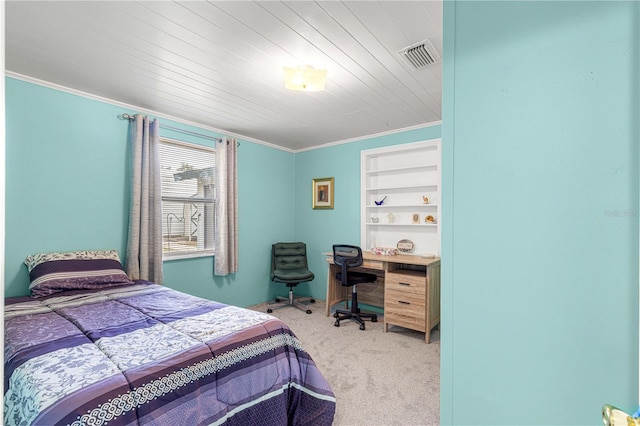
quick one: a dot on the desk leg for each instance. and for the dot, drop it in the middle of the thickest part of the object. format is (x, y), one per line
(335, 291)
(329, 292)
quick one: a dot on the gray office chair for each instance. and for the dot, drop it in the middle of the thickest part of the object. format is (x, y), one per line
(289, 266)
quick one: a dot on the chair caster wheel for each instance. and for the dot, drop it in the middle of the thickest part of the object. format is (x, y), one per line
(308, 311)
(361, 326)
(269, 311)
(335, 315)
(312, 301)
(276, 300)
(374, 319)
(337, 323)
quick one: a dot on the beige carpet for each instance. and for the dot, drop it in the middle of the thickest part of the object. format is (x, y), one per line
(378, 378)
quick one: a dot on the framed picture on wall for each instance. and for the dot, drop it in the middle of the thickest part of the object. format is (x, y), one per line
(323, 193)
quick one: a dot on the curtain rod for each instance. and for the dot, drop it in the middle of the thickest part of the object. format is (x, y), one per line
(130, 117)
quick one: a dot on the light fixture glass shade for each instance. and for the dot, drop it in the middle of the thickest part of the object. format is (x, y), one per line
(304, 78)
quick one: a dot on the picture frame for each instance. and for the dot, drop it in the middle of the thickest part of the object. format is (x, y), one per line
(323, 189)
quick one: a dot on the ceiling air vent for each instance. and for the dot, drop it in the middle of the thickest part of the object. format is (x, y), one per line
(420, 55)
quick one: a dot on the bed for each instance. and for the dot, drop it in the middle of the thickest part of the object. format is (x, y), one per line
(122, 352)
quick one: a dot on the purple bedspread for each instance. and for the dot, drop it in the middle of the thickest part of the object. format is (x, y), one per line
(146, 354)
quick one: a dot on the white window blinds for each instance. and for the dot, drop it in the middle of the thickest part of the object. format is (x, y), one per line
(187, 176)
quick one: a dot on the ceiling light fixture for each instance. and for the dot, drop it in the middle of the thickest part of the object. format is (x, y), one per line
(304, 78)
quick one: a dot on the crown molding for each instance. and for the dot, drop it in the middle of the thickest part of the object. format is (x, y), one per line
(92, 96)
(371, 136)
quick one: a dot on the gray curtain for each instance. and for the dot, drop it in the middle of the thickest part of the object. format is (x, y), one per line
(144, 248)
(226, 226)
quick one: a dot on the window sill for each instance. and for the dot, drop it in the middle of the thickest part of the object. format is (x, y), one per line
(182, 256)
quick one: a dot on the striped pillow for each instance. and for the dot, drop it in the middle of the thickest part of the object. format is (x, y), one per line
(55, 272)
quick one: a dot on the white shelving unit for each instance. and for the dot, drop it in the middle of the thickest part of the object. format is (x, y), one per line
(404, 174)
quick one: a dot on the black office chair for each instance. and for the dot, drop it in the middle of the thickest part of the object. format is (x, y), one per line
(289, 266)
(347, 257)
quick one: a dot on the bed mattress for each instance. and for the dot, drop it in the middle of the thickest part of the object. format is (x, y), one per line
(147, 354)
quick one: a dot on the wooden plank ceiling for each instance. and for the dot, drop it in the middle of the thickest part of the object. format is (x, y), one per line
(219, 63)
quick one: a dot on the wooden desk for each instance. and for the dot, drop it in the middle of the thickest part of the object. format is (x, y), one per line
(408, 288)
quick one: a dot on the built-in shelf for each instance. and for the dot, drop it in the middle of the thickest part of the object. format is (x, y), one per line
(403, 188)
(403, 169)
(400, 206)
(401, 224)
(405, 174)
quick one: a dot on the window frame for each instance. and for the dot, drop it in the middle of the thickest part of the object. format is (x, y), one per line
(178, 255)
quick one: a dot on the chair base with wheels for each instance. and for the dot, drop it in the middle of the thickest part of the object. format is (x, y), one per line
(354, 312)
(291, 300)
(289, 266)
(348, 256)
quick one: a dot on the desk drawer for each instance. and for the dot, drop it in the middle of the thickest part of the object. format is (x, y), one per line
(405, 321)
(404, 305)
(405, 310)
(402, 298)
(406, 281)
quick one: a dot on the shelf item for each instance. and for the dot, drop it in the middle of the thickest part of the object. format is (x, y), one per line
(384, 251)
(381, 202)
(405, 246)
(407, 179)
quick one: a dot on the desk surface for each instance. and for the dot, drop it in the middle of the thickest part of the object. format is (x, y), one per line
(408, 259)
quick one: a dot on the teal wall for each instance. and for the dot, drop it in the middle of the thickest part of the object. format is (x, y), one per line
(66, 177)
(540, 185)
(67, 188)
(320, 229)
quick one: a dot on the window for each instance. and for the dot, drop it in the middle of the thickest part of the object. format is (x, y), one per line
(188, 209)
